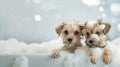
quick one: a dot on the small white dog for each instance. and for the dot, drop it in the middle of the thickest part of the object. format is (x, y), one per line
(70, 33)
(96, 38)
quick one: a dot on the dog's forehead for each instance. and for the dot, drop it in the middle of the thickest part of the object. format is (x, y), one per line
(72, 26)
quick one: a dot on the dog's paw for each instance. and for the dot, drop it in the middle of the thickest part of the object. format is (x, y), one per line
(93, 60)
(93, 57)
(107, 57)
(55, 54)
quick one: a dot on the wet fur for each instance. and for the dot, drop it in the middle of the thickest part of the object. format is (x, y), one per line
(101, 43)
(71, 29)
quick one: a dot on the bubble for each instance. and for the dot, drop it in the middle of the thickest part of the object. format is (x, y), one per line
(103, 15)
(115, 9)
(37, 18)
(36, 1)
(101, 9)
(91, 2)
(118, 27)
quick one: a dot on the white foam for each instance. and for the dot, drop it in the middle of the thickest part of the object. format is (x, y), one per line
(102, 27)
(15, 47)
(21, 61)
(78, 59)
(91, 23)
(81, 58)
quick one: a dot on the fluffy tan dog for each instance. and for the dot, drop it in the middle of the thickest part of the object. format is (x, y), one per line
(70, 34)
(96, 38)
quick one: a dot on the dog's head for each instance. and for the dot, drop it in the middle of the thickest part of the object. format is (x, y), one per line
(70, 33)
(96, 34)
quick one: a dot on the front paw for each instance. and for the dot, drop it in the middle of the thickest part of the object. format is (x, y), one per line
(55, 54)
(107, 57)
(93, 60)
(93, 57)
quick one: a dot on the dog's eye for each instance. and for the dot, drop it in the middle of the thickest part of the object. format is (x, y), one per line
(87, 34)
(76, 33)
(97, 32)
(66, 32)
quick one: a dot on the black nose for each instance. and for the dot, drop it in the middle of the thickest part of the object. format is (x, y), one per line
(70, 39)
(91, 41)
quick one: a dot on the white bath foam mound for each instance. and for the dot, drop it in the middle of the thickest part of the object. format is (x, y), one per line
(81, 59)
(51, 45)
(12, 46)
(21, 61)
(78, 59)
(116, 41)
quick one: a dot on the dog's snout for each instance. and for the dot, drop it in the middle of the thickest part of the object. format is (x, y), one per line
(70, 39)
(91, 41)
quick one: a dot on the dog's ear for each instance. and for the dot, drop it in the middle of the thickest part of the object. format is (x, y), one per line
(107, 28)
(59, 28)
(81, 27)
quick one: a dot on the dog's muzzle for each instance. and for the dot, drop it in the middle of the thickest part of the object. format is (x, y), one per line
(92, 44)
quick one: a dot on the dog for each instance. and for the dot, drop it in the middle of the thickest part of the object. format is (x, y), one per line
(71, 36)
(96, 39)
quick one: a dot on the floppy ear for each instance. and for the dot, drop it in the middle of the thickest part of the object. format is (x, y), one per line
(82, 28)
(107, 28)
(59, 28)
(85, 25)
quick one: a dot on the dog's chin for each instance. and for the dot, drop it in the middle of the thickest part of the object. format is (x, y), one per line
(68, 44)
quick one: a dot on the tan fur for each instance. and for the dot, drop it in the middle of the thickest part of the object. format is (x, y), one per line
(88, 32)
(93, 57)
(55, 54)
(107, 56)
(72, 48)
(69, 31)
(107, 28)
(58, 29)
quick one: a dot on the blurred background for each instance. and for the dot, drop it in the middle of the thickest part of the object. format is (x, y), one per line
(35, 20)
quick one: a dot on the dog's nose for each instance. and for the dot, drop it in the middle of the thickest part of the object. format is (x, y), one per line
(91, 41)
(70, 39)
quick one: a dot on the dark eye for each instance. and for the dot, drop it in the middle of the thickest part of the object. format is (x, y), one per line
(97, 32)
(87, 34)
(76, 33)
(66, 32)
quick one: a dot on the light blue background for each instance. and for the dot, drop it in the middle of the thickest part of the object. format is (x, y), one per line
(17, 17)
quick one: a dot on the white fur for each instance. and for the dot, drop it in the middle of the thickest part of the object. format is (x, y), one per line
(83, 40)
(95, 36)
(71, 25)
(98, 52)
